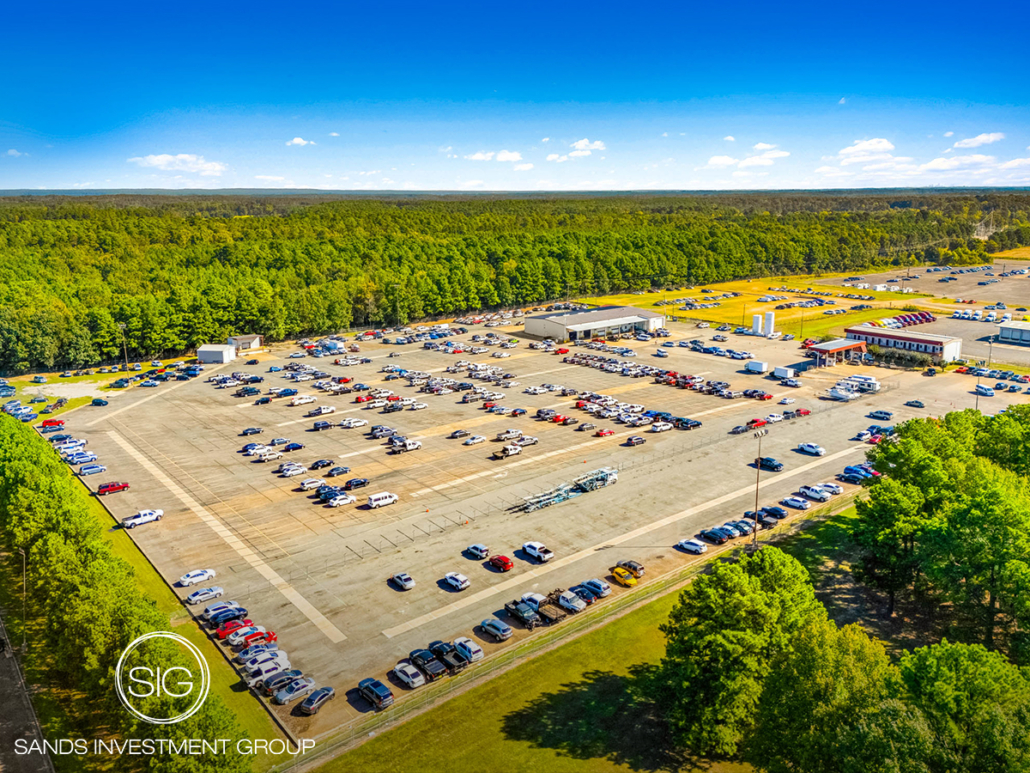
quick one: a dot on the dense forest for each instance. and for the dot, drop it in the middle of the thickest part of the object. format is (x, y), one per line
(179, 271)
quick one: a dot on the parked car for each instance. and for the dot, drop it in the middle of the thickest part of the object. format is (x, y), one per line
(376, 693)
(91, 469)
(813, 449)
(770, 464)
(403, 580)
(457, 580)
(692, 545)
(296, 689)
(501, 563)
(500, 631)
(796, 502)
(205, 594)
(196, 577)
(142, 517)
(407, 673)
(111, 488)
(314, 702)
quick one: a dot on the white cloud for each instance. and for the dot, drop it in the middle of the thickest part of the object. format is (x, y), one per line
(979, 139)
(183, 162)
(579, 153)
(1016, 163)
(865, 151)
(482, 155)
(556, 157)
(83, 185)
(949, 134)
(300, 141)
(546, 139)
(956, 162)
(270, 177)
(448, 149)
(522, 167)
(722, 161)
(764, 159)
(509, 155)
(730, 138)
(841, 101)
(586, 144)
(334, 134)
(763, 146)
(665, 134)
(15, 153)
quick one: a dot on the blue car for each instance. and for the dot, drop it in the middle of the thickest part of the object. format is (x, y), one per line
(149, 383)
(274, 369)
(48, 430)
(91, 469)
(26, 417)
(856, 470)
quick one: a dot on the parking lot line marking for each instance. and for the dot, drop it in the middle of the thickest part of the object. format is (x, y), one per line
(157, 393)
(375, 448)
(306, 608)
(521, 579)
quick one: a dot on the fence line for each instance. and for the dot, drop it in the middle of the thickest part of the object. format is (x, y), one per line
(365, 728)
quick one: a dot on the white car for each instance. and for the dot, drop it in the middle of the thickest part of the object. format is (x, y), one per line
(353, 423)
(409, 675)
(403, 580)
(474, 440)
(257, 451)
(240, 634)
(773, 418)
(419, 406)
(196, 576)
(796, 502)
(457, 580)
(833, 488)
(208, 594)
(534, 390)
(143, 516)
(479, 551)
(787, 401)
(309, 484)
(342, 499)
(863, 435)
(468, 649)
(377, 404)
(697, 547)
(812, 449)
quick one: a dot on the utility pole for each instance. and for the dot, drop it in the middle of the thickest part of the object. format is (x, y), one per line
(24, 618)
(125, 348)
(758, 474)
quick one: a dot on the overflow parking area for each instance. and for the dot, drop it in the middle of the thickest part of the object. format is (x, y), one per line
(318, 575)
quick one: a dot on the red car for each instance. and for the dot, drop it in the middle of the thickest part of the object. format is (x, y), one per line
(579, 404)
(803, 412)
(111, 488)
(765, 396)
(362, 398)
(501, 563)
(344, 380)
(489, 404)
(559, 418)
(53, 422)
(960, 369)
(561, 351)
(258, 637)
(604, 433)
(756, 423)
(233, 625)
(393, 398)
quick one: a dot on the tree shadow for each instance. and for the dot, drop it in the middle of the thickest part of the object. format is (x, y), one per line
(602, 716)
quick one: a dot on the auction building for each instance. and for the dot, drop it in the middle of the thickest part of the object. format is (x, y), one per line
(943, 348)
(1014, 333)
(602, 322)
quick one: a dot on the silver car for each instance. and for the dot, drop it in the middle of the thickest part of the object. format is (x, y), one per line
(296, 689)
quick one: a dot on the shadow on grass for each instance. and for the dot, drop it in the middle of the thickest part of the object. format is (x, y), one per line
(602, 716)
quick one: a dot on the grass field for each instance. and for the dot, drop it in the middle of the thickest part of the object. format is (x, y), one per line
(738, 311)
(1020, 253)
(575, 709)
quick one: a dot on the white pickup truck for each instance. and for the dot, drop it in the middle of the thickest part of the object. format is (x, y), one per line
(507, 451)
(302, 399)
(539, 551)
(322, 410)
(509, 434)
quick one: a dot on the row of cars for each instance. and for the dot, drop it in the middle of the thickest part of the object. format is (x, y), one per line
(264, 667)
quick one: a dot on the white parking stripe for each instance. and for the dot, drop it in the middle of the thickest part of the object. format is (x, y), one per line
(306, 608)
(522, 578)
(157, 393)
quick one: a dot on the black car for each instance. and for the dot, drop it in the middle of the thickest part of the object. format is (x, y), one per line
(276, 682)
(376, 693)
(851, 477)
(768, 463)
(325, 493)
(251, 431)
(314, 702)
(338, 471)
(775, 512)
(425, 662)
(263, 401)
(235, 613)
(459, 433)
(354, 483)
(321, 425)
(446, 653)
(252, 362)
(740, 429)
(320, 464)
(393, 407)
(715, 535)
(636, 440)
(293, 447)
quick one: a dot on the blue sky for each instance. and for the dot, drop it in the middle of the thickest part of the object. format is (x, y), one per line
(528, 96)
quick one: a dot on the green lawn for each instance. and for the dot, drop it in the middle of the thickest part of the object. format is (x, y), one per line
(574, 709)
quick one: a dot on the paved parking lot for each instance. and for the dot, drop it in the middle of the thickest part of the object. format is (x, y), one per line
(317, 575)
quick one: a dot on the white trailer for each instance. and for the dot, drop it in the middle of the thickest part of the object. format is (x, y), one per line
(755, 366)
(785, 373)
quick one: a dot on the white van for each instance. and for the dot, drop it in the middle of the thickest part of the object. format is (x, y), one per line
(984, 391)
(382, 499)
(991, 316)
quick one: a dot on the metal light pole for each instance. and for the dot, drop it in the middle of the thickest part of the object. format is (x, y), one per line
(125, 348)
(24, 619)
(758, 474)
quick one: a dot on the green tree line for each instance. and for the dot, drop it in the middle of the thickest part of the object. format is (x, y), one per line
(91, 604)
(178, 272)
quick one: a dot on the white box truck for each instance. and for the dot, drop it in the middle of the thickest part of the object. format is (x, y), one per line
(754, 366)
(785, 373)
